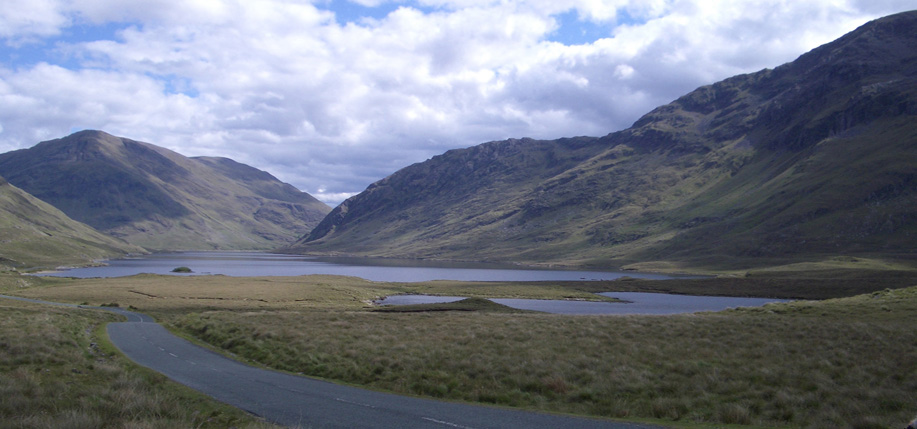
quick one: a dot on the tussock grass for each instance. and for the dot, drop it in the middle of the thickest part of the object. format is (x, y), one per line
(56, 371)
(839, 363)
(847, 362)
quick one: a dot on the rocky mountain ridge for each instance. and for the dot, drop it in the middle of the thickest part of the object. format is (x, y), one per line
(810, 159)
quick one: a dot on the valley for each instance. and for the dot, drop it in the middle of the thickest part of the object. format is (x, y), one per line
(796, 182)
(34, 235)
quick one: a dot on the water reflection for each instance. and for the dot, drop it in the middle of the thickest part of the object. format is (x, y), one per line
(251, 264)
(635, 303)
(662, 303)
(417, 299)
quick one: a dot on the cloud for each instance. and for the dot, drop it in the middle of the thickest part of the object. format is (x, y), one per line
(23, 20)
(47, 101)
(332, 105)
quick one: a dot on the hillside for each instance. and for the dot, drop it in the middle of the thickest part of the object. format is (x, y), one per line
(812, 159)
(35, 234)
(158, 199)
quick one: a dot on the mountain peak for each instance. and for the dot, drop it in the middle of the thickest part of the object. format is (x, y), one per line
(877, 43)
(159, 199)
(91, 134)
(850, 81)
(88, 137)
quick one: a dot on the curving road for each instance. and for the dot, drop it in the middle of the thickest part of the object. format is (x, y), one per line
(292, 400)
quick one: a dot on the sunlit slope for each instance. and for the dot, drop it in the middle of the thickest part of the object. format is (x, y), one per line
(35, 234)
(159, 199)
(813, 158)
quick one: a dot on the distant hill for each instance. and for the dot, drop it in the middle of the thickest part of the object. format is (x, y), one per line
(158, 199)
(35, 234)
(815, 158)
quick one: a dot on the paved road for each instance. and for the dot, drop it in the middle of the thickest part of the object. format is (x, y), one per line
(292, 400)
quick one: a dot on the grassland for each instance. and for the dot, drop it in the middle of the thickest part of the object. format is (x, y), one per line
(163, 296)
(848, 361)
(844, 363)
(58, 371)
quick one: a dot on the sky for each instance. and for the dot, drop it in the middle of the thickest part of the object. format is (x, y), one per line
(332, 95)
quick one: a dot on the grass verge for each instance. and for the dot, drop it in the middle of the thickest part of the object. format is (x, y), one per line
(58, 371)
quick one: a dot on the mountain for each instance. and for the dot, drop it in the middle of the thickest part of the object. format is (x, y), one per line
(158, 199)
(813, 158)
(35, 234)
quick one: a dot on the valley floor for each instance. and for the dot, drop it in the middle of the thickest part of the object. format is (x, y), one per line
(803, 363)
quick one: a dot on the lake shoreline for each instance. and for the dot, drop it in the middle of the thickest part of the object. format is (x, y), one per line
(254, 264)
(632, 303)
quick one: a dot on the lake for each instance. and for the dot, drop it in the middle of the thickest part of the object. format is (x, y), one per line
(636, 303)
(251, 264)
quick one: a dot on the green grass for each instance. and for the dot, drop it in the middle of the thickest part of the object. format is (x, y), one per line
(57, 370)
(848, 362)
(839, 363)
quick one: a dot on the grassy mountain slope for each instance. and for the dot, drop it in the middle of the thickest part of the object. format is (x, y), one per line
(432, 205)
(158, 199)
(810, 159)
(35, 234)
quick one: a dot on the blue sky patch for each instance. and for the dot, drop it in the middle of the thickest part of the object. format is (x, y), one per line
(346, 12)
(576, 31)
(53, 50)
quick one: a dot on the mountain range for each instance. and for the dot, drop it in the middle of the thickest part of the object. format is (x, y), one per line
(155, 198)
(812, 159)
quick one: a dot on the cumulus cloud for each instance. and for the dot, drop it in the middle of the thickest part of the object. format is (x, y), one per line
(26, 19)
(332, 105)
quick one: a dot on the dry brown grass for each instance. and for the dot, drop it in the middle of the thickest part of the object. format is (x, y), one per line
(173, 294)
